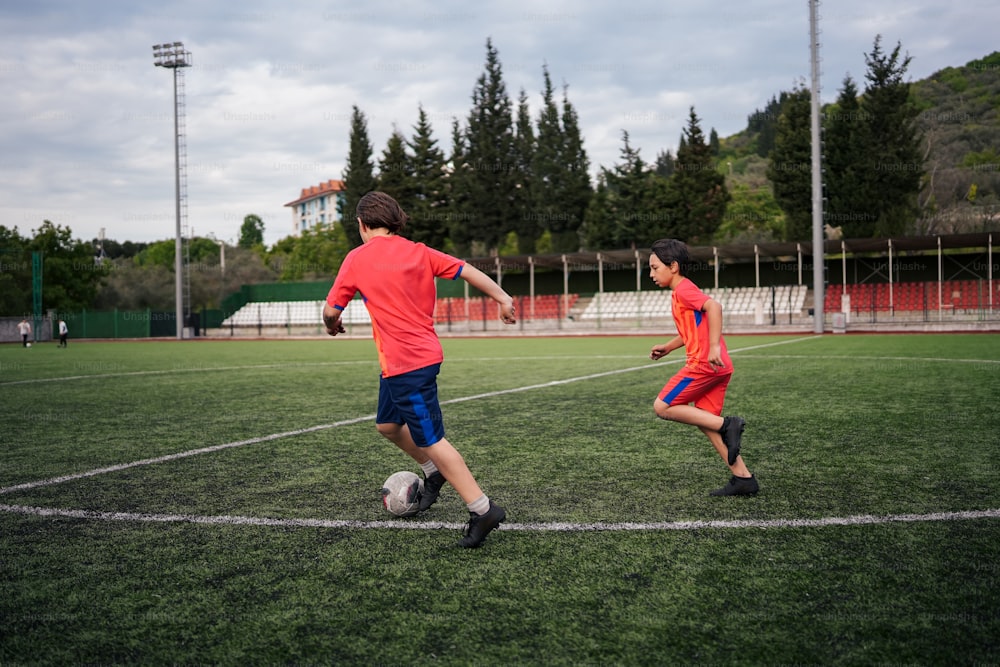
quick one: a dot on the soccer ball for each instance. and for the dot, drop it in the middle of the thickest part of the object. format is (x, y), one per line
(401, 493)
(28, 345)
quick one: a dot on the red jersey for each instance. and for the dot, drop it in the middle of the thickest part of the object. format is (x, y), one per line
(687, 302)
(395, 277)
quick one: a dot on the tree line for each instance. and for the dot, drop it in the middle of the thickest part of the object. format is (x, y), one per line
(511, 183)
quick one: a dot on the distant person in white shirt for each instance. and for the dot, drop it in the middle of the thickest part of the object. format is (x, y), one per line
(25, 330)
(63, 333)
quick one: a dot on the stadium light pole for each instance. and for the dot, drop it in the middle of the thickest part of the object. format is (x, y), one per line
(173, 56)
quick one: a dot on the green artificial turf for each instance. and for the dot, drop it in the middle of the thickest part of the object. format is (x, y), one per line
(873, 540)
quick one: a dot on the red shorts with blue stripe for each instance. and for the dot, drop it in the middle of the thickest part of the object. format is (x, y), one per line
(707, 390)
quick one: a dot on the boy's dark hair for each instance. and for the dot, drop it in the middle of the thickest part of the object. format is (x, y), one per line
(672, 250)
(377, 209)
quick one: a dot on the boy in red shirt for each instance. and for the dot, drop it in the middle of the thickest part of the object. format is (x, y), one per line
(395, 277)
(705, 376)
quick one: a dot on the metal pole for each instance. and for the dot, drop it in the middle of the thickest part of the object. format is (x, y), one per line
(173, 56)
(756, 265)
(715, 261)
(178, 249)
(892, 305)
(531, 286)
(817, 175)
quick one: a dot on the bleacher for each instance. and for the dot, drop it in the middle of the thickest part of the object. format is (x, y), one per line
(447, 309)
(954, 295)
(735, 301)
(478, 309)
(746, 305)
(292, 313)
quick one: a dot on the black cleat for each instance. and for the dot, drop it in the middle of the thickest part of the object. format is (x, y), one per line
(738, 486)
(732, 436)
(432, 488)
(480, 525)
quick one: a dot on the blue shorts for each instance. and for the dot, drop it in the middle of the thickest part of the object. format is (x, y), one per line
(412, 399)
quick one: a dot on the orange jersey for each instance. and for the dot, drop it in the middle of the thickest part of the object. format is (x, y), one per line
(687, 302)
(396, 279)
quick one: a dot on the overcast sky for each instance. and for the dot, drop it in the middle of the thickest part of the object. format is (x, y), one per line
(87, 120)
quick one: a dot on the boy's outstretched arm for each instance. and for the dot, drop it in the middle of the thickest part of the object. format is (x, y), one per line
(713, 311)
(488, 286)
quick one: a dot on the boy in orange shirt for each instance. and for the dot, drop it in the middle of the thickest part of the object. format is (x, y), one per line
(395, 277)
(708, 369)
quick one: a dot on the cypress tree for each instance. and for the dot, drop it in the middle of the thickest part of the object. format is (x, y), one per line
(790, 165)
(457, 186)
(895, 166)
(547, 165)
(358, 175)
(574, 195)
(526, 224)
(699, 188)
(489, 153)
(394, 176)
(624, 211)
(845, 165)
(429, 207)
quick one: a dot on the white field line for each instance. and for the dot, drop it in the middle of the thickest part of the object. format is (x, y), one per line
(194, 369)
(846, 357)
(322, 427)
(557, 527)
(303, 364)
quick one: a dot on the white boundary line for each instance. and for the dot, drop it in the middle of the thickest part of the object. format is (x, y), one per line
(196, 369)
(873, 358)
(557, 527)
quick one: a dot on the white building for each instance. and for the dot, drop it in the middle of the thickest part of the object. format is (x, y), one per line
(317, 205)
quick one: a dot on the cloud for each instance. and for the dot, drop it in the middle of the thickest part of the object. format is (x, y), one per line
(87, 122)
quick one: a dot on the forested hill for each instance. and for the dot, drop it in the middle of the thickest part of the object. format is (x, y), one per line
(959, 122)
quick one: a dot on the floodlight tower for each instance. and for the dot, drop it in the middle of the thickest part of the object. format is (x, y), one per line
(174, 57)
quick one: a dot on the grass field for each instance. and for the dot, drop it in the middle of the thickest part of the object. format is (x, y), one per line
(218, 502)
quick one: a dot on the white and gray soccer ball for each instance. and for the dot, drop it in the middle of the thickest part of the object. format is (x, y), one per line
(401, 493)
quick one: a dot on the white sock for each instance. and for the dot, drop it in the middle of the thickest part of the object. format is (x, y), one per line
(480, 505)
(429, 468)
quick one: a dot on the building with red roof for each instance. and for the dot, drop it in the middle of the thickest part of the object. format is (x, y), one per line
(316, 205)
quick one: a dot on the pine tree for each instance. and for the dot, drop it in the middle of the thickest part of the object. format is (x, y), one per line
(358, 175)
(598, 230)
(699, 188)
(526, 224)
(627, 209)
(764, 123)
(895, 166)
(576, 191)
(790, 165)
(489, 153)
(665, 164)
(429, 207)
(394, 177)
(547, 166)
(457, 186)
(844, 164)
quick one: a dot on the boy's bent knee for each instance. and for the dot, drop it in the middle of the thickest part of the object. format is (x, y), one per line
(388, 429)
(661, 409)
